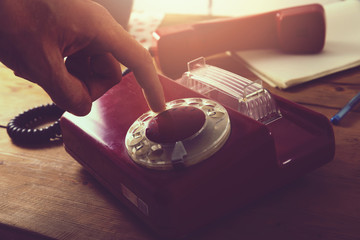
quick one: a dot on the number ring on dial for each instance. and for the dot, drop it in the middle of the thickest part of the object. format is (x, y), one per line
(189, 131)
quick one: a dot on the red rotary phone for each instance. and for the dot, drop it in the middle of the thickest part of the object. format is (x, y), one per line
(223, 142)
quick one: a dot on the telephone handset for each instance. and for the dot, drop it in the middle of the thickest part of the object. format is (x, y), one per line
(222, 142)
(300, 29)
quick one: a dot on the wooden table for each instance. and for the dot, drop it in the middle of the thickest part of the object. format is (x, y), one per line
(45, 194)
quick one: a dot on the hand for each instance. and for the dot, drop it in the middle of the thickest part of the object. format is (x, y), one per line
(36, 36)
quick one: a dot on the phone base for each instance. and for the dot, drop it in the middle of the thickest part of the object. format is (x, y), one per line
(255, 159)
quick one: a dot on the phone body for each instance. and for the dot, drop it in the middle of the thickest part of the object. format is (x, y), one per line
(255, 159)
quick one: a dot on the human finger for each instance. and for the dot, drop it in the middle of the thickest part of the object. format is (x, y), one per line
(106, 74)
(130, 53)
(66, 90)
(99, 72)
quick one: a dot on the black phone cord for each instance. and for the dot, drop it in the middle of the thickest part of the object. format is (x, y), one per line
(22, 129)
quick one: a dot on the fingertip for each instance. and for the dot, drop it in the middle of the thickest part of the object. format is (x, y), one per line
(155, 100)
(158, 110)
(158, 106)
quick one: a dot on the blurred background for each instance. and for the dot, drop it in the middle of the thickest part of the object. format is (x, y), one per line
(218, 7)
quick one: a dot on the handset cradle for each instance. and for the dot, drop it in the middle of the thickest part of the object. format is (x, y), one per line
(234, 91)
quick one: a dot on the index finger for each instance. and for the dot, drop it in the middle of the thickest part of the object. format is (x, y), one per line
(134, 56)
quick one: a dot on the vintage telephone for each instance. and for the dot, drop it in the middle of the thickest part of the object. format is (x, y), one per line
(222, 142)
(299, 30)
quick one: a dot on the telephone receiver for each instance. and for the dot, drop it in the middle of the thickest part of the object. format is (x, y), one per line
(295, 30)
